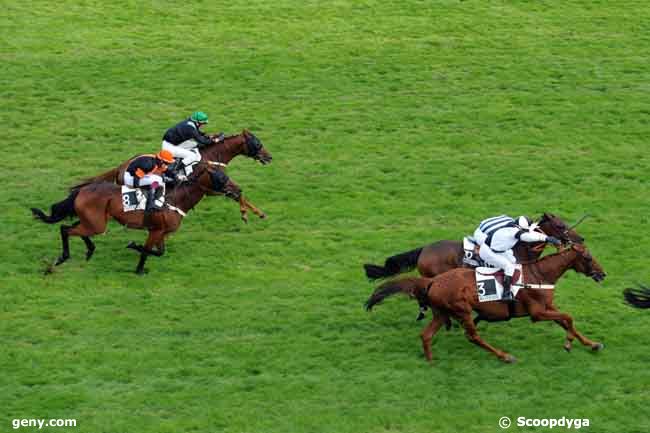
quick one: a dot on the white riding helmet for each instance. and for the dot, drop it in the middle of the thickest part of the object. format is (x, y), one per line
(525, 223)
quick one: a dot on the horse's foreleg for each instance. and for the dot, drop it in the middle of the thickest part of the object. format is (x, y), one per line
(253, 209)
(573, 332)
(472, 335)
(428, 333)
(243, 209)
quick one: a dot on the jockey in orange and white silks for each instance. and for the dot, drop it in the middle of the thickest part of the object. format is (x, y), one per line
(496, 250)
(184, 139)
(147, 172)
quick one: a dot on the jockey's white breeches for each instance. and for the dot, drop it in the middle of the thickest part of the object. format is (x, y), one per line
(146, 180)
(187, 150)
(505, 260)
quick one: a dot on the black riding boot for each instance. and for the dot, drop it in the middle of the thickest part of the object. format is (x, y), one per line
(507, 294)
(150, 207)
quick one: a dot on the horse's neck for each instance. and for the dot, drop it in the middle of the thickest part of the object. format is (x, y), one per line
(525, 254)
(186, 195)
(549, 269)
(224, 152)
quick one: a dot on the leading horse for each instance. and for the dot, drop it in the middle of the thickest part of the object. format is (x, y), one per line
(95, 203)
(453, 294)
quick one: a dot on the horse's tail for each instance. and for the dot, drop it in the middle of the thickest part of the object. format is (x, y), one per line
(413, 287)
(59, 211)
(393, 265)
(639, 298)
(109, 176)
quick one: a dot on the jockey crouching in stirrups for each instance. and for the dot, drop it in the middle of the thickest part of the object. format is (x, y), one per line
(184, 140)
(497, 248)
(146, 172)
(489, 226)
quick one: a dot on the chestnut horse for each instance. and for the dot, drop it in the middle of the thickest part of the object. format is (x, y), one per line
(453, 295)
(442, 256)
(96, 203)
(639, 298)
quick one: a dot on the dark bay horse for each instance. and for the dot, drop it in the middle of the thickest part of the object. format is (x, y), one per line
(453, 295)
(639, 297)
(95, 203)
(442, 256)
(221, 153)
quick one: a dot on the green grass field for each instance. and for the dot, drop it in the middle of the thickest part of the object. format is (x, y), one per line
(392, 125)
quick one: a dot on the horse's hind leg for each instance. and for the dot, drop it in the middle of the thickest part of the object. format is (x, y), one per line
(472, 335)
(83, 230)
(65, 243)
(155, 237)
(428, 333)
(90, 247)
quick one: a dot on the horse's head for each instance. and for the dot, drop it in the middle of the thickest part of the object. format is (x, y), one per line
(554, 226)
(255, 149)
(217, 182)
(586, 264)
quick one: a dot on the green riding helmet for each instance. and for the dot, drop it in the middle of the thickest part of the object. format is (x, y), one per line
(199, 117)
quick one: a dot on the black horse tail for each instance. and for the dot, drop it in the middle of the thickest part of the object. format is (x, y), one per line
(109, 176)
(639, 298)
(394, 265)
(413, 287)
(59, 211)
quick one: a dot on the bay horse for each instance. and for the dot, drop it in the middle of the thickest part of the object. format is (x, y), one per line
(453, 294)
(639, 297)
(441, 256)
(221, 153)
(95, 203)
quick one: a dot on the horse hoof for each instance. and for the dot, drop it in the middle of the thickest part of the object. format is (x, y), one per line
(132, 245)
(60, 260)
(509, 359)
(263, 216)
(568, 348)
(597, 347)
(89, 255)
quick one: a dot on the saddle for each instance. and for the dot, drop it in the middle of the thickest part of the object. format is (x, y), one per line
(498, 274)
(134, 199)
(471, 259)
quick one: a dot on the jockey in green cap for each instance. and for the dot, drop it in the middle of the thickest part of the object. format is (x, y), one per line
(184, 139)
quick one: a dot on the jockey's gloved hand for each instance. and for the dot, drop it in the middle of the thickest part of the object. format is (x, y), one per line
(220, 136)
(555, 241)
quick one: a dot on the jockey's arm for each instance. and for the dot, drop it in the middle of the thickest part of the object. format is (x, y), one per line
(201, 138)
(532, 237)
